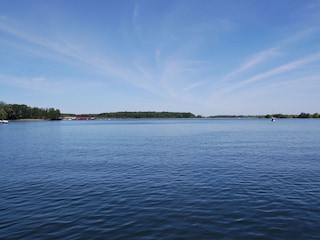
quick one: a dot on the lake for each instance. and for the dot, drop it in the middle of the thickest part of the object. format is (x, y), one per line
(160, 179)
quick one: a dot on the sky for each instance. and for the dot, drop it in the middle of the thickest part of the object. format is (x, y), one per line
(208, 57)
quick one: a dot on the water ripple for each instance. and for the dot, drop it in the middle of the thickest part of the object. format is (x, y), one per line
(201, 180)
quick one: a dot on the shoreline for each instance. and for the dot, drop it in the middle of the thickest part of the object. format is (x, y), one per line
(28, 120)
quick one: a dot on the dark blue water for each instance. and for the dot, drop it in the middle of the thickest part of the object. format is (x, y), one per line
(160, 179)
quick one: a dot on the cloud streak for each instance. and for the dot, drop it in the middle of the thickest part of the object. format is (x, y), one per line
(253, 62)
(284, 68)
(268, 76)
(77, 55)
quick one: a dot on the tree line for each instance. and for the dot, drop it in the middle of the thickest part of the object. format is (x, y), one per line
(278, 115)
(22, 111)
(145, 115)
(301, 115)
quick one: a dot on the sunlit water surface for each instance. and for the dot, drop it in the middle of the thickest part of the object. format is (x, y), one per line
(160, 179)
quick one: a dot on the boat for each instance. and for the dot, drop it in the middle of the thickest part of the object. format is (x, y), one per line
(273, 119)
(4, 121)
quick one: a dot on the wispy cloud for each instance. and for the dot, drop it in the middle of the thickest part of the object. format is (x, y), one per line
(268, 75)
(307, 82)
(135, 16)
(32, 83)
(48, 85)
(181, 75)
(282, 69)
(72, 53)
(280, 49)
(299, 36)
(253, 62)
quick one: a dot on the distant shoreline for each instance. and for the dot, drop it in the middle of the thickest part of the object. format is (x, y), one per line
(28, 120)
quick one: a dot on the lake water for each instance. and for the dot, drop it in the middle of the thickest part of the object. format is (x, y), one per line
(160, 179)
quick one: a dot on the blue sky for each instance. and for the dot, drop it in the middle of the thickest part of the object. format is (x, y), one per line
(207, 57)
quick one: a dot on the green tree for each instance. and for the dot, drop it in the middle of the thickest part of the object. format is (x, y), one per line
(53, 114)
(304, 115)
(3, 114)
(316, 115)
(19, 111)
(9, 110)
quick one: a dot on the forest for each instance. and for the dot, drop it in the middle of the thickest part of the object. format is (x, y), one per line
(278, 115)
(301, 115)
(22, 111)
(145, 115)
